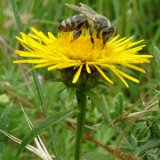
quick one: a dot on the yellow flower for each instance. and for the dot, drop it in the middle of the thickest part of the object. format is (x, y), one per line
(58, 53)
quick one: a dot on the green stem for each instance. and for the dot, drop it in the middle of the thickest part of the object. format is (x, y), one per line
(81, 101)
(36, 81)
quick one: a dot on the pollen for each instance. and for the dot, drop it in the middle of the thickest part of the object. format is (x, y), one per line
(61, 52)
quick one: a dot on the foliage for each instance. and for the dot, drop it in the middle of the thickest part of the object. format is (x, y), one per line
(127, 120)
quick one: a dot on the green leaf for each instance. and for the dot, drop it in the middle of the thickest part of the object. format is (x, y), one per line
(95, 155)
(154, 131)
(156, 63)
(51, 120)
(156, 54)
(99, 103)
(4, 117)
(149, 145)
(118, 106)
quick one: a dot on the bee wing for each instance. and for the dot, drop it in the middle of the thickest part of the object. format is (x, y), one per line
(84, 9)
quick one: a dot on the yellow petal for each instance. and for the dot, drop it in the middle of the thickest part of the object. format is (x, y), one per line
(59, 53)
(88, 69)
(76, 76)
(135, 68)
(128, 76)
(103, 74)
(120, 77)
(114, 39)
(135, 43)
(51, 36)
(62, 66)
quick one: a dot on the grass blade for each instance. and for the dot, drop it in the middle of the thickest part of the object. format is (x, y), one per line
(51, 120)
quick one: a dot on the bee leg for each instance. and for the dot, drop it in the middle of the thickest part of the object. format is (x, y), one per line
(104, 41)
(76, 34)
(91, 36)
(78, 30)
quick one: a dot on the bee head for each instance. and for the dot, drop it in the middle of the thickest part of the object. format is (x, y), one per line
(106, 33)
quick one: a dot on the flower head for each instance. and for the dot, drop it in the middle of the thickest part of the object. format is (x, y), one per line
(61, 53)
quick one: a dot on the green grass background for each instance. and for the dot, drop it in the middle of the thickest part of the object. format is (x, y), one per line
(139, 135)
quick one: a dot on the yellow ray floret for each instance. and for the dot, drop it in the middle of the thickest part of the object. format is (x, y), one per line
(61, 53)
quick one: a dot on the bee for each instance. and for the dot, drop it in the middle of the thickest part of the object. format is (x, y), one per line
(90, 20)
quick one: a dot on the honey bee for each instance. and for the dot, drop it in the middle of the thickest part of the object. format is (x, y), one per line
(87, 19)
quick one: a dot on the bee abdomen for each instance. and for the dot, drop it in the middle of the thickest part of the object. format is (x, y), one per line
(71, 23)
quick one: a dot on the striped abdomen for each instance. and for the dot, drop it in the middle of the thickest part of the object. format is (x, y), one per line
(72, 23)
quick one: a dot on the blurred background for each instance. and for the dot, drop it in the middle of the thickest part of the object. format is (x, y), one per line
(137, 134)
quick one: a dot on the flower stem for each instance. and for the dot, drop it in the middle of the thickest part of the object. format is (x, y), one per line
(81, 102)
